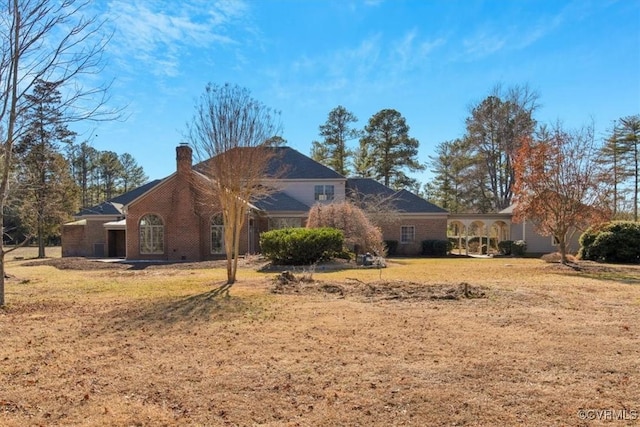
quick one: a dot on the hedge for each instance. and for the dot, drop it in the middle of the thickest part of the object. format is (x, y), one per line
(616, 241)
(301, 246)
(436, 248)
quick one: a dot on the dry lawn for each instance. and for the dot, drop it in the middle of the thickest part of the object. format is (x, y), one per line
(529, 343)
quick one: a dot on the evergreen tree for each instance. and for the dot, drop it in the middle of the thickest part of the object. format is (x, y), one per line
(450, 187)
(363, 162)
(392, 150)
(611, 159)
(333, 151)
(48, 195)
(132, 174)
(83, 160)
(629, 138)
(110, 171)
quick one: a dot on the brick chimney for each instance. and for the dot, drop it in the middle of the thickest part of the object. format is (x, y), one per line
(184, 158)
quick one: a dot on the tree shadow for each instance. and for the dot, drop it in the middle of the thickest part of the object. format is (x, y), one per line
(214, 305)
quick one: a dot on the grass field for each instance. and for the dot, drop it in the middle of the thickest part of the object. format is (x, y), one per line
(535, 344)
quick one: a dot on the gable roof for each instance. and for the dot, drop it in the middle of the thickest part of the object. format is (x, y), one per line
(402, 200)
(114, 206)
(288, 163)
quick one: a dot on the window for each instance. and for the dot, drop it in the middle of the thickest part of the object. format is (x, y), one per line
(217, 234)
(407, 234)
(151, 235)
(323, 192)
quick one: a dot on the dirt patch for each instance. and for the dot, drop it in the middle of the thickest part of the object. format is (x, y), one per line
(288, 283)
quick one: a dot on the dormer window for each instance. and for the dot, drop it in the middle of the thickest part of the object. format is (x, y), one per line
(324, 193)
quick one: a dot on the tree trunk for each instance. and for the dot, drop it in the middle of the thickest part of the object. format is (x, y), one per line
(562, 246)
(1, 275)
(40, 238)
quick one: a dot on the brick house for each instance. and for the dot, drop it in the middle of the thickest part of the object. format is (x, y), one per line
(162, 220)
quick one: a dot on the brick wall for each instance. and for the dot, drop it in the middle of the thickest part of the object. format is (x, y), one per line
(82, 239)
(74, 240)
(425, 229)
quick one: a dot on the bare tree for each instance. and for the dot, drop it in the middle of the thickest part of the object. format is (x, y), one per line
(558, 184)
(51, 41)
(231, 134)
(494, 129)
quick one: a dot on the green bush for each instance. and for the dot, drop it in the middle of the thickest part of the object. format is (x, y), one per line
(301, 246)
(392, 247)
(518, 248)
(504, 247)
(436, 247)
(616, 241)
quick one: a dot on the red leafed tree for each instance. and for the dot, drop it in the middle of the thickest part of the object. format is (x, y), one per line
(358, 230)
(558, 185)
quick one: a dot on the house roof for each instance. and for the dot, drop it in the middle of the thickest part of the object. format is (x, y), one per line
(280, 202)
(114, 206)
(291, 164)
(402, 200)
(288, 163)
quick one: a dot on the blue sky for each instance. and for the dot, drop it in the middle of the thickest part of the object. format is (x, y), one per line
(428, 59)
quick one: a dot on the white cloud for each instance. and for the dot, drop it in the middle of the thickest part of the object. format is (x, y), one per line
(155, 35)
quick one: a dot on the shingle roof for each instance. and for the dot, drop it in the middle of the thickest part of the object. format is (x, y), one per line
(288, 163)
(130, 196)
(294, 165)
(403, 200)
(280, 202)
(114, 206)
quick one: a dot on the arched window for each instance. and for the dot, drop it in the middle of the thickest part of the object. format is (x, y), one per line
(217, 234)
(151, 235)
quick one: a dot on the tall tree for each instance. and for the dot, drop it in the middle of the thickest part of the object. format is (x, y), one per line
(43, 178)
(132, 174)
(558, 184)
(611, 158)
(110, 170)
(45, 40)
(629, 137)
(495, 129)
(336, 132)
(83, 161)
(392, 149)
(49, 196)
(230, 133)
(363, 162)
(451, 165)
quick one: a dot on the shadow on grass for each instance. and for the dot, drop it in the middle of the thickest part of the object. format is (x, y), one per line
(623, 273)
(214, 305)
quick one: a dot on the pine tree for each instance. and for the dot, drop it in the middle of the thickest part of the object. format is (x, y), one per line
(333, 150)
(48, 195)
(132, 174)
(629, 137)
(391, 148)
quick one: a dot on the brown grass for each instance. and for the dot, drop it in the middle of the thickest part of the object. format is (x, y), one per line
(126, 346)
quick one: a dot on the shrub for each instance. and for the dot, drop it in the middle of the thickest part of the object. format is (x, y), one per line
(616, 241)
(436, 247)
(300, 246)
(359, 232)
(392, 247)
(504, 247)
(518, 248)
